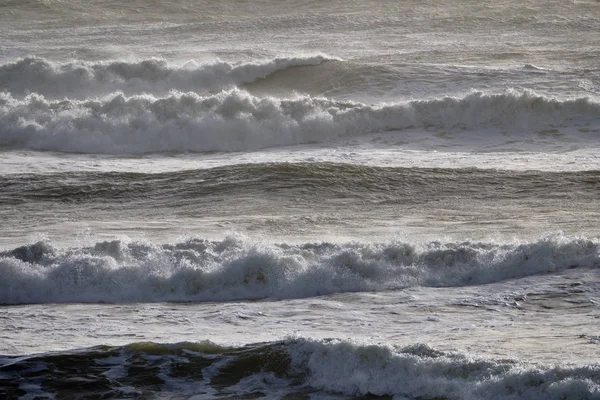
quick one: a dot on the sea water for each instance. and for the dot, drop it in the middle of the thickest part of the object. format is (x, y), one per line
(300, 200)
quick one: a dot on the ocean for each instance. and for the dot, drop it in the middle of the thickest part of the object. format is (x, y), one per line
(300, 199)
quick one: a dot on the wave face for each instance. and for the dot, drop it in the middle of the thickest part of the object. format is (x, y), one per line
(298, 368)
(235, 120)
(201, 270)
(87, 79)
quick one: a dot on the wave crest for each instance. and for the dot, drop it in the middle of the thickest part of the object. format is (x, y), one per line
(201, 270)
(420, 371)
(235, 120)
(80, 79)
(294, 368)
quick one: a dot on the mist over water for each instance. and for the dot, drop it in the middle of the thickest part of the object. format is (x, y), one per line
(324, 200)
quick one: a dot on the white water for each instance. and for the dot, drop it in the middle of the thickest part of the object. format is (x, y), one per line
(550, 319)
(81, 79)
(199, 270)
(235, 120)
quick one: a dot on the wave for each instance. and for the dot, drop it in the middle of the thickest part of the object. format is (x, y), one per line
(235, 120)
(314, 181)
(293, 368)
(81, 79)
(202, 270)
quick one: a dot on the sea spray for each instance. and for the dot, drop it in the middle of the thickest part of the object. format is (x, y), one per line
(81, 79)
(202, 270)
(235, 120)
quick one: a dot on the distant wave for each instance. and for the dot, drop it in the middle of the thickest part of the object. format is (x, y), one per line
(235, 120)
(201, 270)
(294, 368)
(81, 79)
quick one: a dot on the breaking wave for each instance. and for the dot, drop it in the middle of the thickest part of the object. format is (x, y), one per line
(81, 79)
(235, 120)
(294, 368)
(202, 270)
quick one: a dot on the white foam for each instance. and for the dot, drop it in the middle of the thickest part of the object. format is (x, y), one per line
(239, 269)
(234, 120)
(422, 372)
(81, 79)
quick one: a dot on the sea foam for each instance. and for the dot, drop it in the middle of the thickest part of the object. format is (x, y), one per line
(201, 270)
(234, 120)
(81, 79)
(420, 371)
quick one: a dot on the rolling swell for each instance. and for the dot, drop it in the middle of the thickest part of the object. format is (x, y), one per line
(82, 79)
(235, 120)
(202, 270)
(306, 180)
(296, 368)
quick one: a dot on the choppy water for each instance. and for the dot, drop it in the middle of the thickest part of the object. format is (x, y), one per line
(289, 369)
(300, 200)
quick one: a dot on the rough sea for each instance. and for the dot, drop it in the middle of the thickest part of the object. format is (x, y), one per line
(300, 199)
